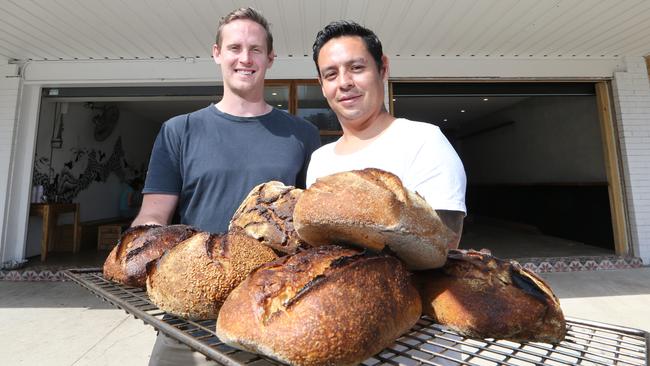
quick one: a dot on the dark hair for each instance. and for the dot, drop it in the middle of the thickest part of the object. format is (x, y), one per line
(342, 28)
(250, 14)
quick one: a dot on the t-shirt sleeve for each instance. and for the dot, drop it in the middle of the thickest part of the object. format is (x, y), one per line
(438, 175)
(311, 143)
(164, 173)
(314, 170)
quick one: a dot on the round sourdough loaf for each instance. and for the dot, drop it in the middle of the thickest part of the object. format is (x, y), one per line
(194, 278)
(138, 246)
(481, 296)
(371, 208)
(323, 306)
(267, 215)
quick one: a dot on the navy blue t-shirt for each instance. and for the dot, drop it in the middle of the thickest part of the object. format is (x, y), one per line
(212, 160)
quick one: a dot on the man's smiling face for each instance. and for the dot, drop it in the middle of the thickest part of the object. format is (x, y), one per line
(243, 56)
(351, 81)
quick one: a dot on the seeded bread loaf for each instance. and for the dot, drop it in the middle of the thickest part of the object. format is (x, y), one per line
(481, 296)
(323, 306)
(194, 278)
(267, 215)
(138, 246)
(371, 208)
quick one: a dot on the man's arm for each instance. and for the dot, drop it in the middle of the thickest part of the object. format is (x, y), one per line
(452, 220)
(156, 209)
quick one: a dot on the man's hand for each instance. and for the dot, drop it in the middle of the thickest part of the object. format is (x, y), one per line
(157, 209)
(453, 220)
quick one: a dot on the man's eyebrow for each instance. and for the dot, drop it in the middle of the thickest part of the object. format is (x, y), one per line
(347, 63)
(239, 44)
(358, 59)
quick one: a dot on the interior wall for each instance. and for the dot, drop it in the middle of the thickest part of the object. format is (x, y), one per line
(551, 139)
(542, 165)
(133, 133)
(100, 167)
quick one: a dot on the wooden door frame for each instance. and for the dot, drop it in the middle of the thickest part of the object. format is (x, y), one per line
(611, 152)
(293, 89)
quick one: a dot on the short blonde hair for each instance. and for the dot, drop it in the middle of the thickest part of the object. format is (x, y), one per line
(250, 14)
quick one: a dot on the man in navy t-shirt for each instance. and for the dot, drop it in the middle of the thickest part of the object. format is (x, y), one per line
(205, 163)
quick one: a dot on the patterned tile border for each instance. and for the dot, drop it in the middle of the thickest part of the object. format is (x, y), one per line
(538, 265)
(31, 275)
(575, 264)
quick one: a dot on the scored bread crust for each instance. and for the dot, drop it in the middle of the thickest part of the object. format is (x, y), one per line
(194, 278)
(371, 208)
(266, 214)
(138, 246)
(481, 296)
(113, 269)
(324, 306)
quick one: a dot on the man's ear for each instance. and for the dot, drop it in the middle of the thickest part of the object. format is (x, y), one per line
(271, 57)
(385, 69)
(216, 54)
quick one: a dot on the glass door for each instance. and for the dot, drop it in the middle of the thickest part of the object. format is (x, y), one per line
(312, 106)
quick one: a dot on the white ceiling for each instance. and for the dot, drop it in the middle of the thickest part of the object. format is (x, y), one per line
(452, 112)
(159, 29)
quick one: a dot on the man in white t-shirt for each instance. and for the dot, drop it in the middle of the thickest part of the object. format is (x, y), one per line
(352, 70)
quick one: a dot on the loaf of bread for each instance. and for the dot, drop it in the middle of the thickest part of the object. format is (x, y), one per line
(323, 306)
(481, 296)
(371, 208)
(138, 246)
(193, 279)
(267, 215)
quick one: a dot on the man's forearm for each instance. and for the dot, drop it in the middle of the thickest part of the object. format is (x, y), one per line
(157, 209)
(453, 221)
(148, 219)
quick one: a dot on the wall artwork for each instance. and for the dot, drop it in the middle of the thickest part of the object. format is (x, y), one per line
(64, 186)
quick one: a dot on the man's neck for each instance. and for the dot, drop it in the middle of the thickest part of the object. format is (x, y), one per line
(355, 139)
(236, 105)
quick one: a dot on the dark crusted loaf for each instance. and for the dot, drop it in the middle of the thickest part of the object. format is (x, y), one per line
(324, 306)
(481, 296)
(267, 215)
(138, 246)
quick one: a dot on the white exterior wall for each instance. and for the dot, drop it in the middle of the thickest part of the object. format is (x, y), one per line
(18, 129)
(631, 91)
(157, 72)
(9, 89)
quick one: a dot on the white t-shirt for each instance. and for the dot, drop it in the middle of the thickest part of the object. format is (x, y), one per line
(418, 153)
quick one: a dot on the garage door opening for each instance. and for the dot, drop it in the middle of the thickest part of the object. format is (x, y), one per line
(93, 141)
(535, 163)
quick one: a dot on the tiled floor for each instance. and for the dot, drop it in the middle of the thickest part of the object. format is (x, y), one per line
(510, 240)
(542, 253)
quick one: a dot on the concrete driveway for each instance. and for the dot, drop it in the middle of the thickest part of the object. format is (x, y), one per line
(60, 323)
